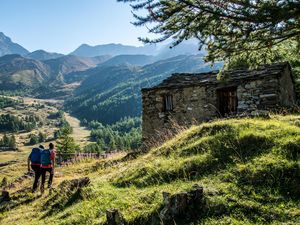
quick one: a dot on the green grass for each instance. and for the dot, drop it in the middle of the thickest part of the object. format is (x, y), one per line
(249, 168)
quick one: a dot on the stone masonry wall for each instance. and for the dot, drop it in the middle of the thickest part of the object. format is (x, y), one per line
(259, 94)
(190, 104)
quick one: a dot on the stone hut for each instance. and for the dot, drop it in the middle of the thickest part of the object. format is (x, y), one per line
(186, 98)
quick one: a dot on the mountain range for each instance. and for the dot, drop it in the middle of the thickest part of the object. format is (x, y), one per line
(159, 51)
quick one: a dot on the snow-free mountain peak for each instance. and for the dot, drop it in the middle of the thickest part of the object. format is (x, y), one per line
(7, 46)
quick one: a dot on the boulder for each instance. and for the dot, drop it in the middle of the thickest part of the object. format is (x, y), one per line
(114, 217)
(182, 204)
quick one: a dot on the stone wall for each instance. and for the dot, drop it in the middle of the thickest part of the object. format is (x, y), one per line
(190, 105)
(259, 94)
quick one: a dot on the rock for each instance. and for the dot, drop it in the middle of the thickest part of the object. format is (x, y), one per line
(196, 193)
(247, 86)
(252, 84)
(182, 204)
(114, 217)
(268, 96)
(161, 115)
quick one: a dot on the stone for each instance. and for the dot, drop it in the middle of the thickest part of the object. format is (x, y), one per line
(161, 115)
(242, 106)
(173, 206)
(259, 82)
(247, 86)
(114, 217)
(182, 204)
(253, 84)
(268, 96)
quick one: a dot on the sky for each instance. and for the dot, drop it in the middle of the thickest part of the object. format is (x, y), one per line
(62, 25)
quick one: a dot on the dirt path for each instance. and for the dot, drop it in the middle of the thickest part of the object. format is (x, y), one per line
(80, 134)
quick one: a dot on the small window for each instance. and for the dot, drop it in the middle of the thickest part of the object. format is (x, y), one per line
(168, 103)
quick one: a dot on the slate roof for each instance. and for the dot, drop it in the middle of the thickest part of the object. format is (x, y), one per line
(178, 80)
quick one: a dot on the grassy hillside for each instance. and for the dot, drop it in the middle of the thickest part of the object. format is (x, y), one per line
(249, 168)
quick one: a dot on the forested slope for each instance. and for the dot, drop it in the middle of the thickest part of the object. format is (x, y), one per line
(110, 93)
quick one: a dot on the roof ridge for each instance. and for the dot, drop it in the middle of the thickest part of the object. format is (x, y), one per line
(184, 79)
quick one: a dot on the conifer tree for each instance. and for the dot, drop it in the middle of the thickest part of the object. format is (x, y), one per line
(12, 142)
(226, 28)
(66, 144)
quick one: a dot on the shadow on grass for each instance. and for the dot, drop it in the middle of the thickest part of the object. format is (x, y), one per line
(220, 152)
(281, 178)
(21, 197)
(67, 193)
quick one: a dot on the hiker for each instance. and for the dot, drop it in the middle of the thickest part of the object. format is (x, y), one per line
(34, 160)
(47, 165)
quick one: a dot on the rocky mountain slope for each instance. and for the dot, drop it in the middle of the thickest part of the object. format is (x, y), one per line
(8, 47)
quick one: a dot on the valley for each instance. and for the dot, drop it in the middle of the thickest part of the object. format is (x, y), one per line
(47, 124)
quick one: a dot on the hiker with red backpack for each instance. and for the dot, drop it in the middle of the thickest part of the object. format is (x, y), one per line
(34, 160)
(47, 165)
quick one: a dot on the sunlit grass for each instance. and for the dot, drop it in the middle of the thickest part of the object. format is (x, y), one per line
(249, 168)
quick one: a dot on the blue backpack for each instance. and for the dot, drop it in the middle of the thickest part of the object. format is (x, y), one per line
(46, 157)
(35, 155)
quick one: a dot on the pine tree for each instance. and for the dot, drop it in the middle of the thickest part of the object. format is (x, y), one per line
(226, 28)
(42, 137)
(12, 142)
(112, 143)
(66, 144)
(5, 141)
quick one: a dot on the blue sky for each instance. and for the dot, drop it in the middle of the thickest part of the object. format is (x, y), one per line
(62, 25)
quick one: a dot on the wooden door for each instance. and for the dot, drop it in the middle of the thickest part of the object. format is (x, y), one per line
(227, 99)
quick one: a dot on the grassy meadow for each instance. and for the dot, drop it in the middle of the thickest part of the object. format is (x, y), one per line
(249, 168)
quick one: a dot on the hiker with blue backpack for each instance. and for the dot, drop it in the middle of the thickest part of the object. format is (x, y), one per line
(47, 165)
(34, 160)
